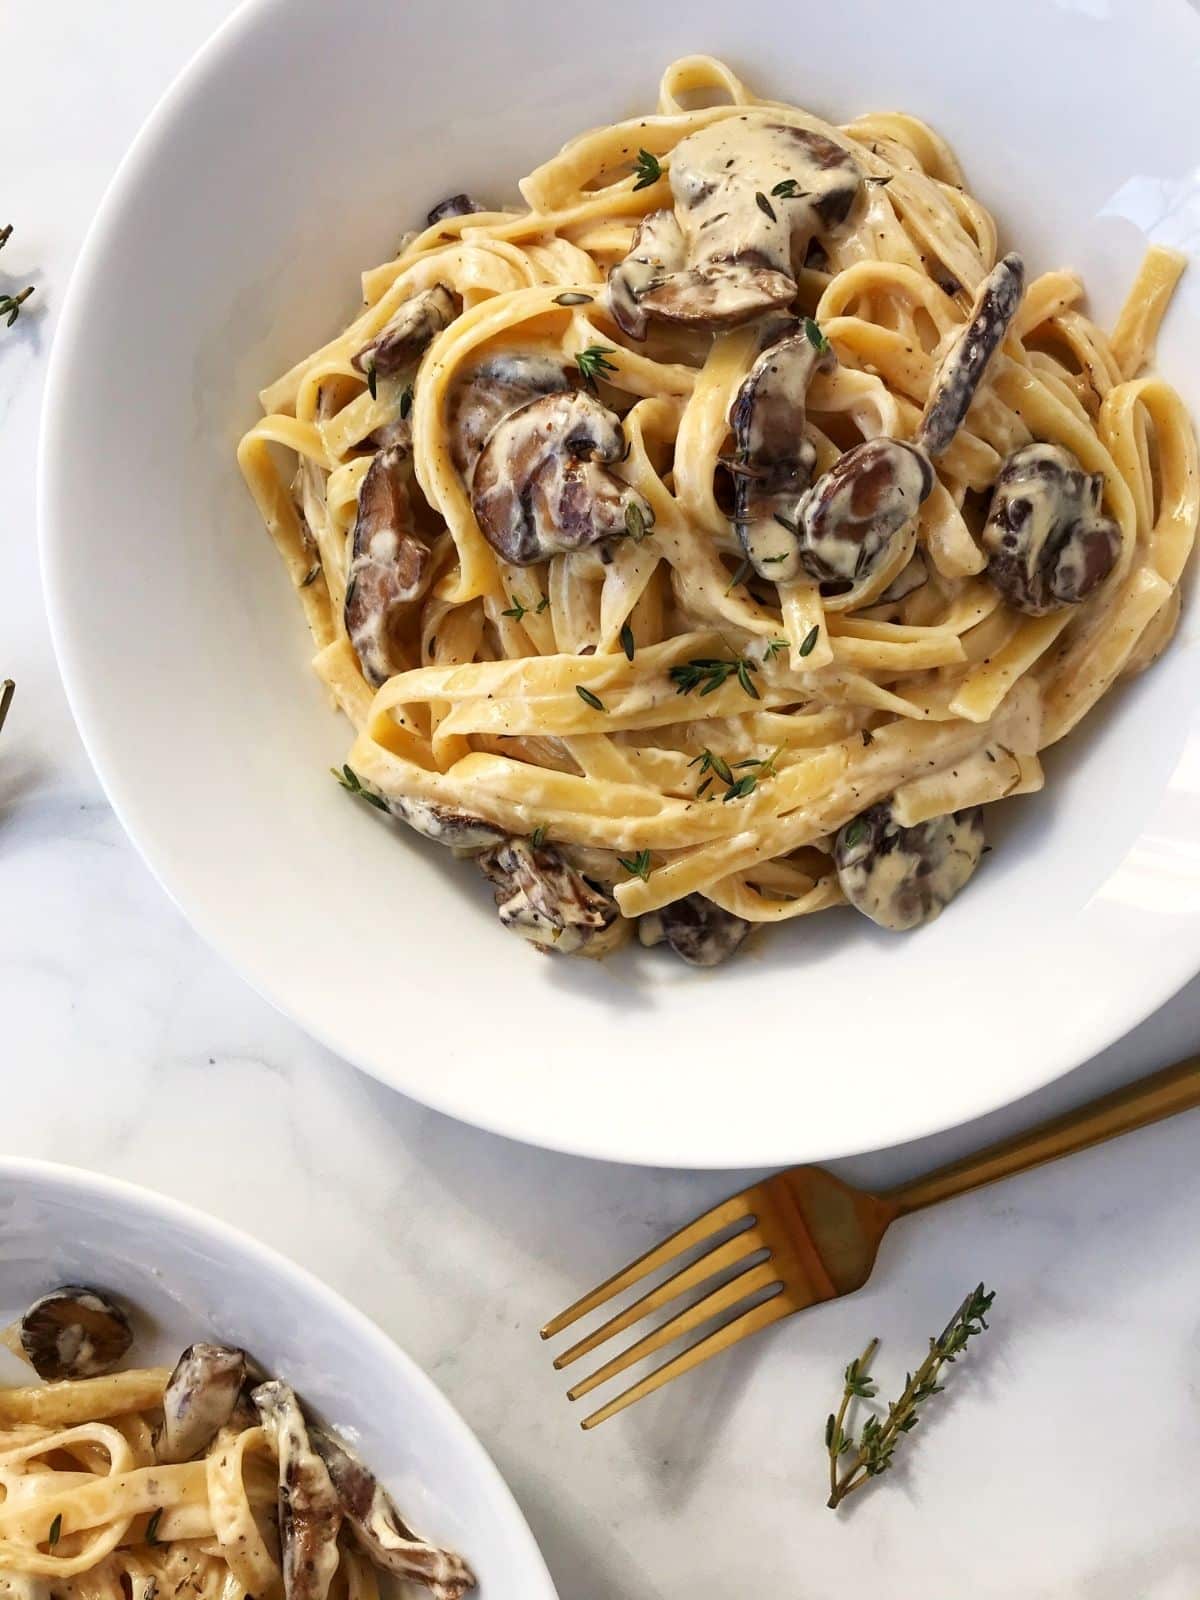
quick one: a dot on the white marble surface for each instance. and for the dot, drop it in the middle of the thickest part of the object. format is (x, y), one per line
(1062, 1462)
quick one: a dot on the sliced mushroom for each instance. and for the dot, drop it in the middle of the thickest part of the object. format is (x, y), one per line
(750, 195)
(310, 1512)
(658, 250)
(381, 1531)
(199, 1400)
(849, 518)
(775, 459)
(74, 1332)
(388, 567)
(1047, 541)
(459, 830)
(402, 341)
(961, 369)
(544, 899)
(483, 394)
(541, 485)
(456, 205)
(902, 877)
(697, 929)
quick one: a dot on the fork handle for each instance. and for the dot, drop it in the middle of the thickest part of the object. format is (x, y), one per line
(1162, 1094)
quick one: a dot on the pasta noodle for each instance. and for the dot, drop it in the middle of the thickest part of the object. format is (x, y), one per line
(150, 1484)
(651, 713)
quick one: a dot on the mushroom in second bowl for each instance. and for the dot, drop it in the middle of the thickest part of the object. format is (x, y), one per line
(74, 1332)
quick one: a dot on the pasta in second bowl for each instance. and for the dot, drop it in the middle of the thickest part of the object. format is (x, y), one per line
(188, 669)
(178, 1470)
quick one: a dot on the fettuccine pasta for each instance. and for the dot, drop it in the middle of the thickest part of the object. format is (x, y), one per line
(207, 1481)
(703, 544)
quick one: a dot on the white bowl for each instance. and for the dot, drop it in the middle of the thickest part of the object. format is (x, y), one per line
(298, 146)
(188, 1277)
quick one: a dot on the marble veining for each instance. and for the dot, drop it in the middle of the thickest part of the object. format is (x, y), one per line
(1060, 1464)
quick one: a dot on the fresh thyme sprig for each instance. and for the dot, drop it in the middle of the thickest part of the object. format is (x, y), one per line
(406, 400)
(10, 304)
(648, 169)
(765, 206)
(588, 698)
(789, 189)
(628, 642)
(353, 784)
(871, 1454)
(735, 788)
(538, 837)
(744, 568)
(152, 1527)
(594, 363)
(749, 781)
(519, 609)
(815, 337)
(774, 646)
(55, 1533)
(712, 672)
(372, 382)
(7, 689)
(637, 866)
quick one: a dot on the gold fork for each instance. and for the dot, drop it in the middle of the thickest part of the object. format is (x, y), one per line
(804, 1236)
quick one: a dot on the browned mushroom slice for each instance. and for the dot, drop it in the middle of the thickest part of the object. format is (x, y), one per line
(483, 394)
(658, 249)
(388, 566)
(458, 830)
(542, 487)
(455, 205)
(402, 341)
(544, 899)
(199, 1400)
(961, 369)
(901, 877)
(750, 194)
(74, 1332)
(697, 929)
(775, 459)
(850, 516)
(383, 1534)
(310, 1512)
(1048, 543)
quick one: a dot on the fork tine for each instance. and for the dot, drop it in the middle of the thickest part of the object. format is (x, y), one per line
(729, 1294)
(743, 1244)
(737, 1206)
(722, 1338)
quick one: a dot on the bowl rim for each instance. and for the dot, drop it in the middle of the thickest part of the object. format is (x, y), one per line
(641, 1143)
(80, 1182)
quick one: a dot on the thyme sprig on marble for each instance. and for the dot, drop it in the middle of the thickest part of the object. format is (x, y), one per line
(10, 304)
(854, 1462)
